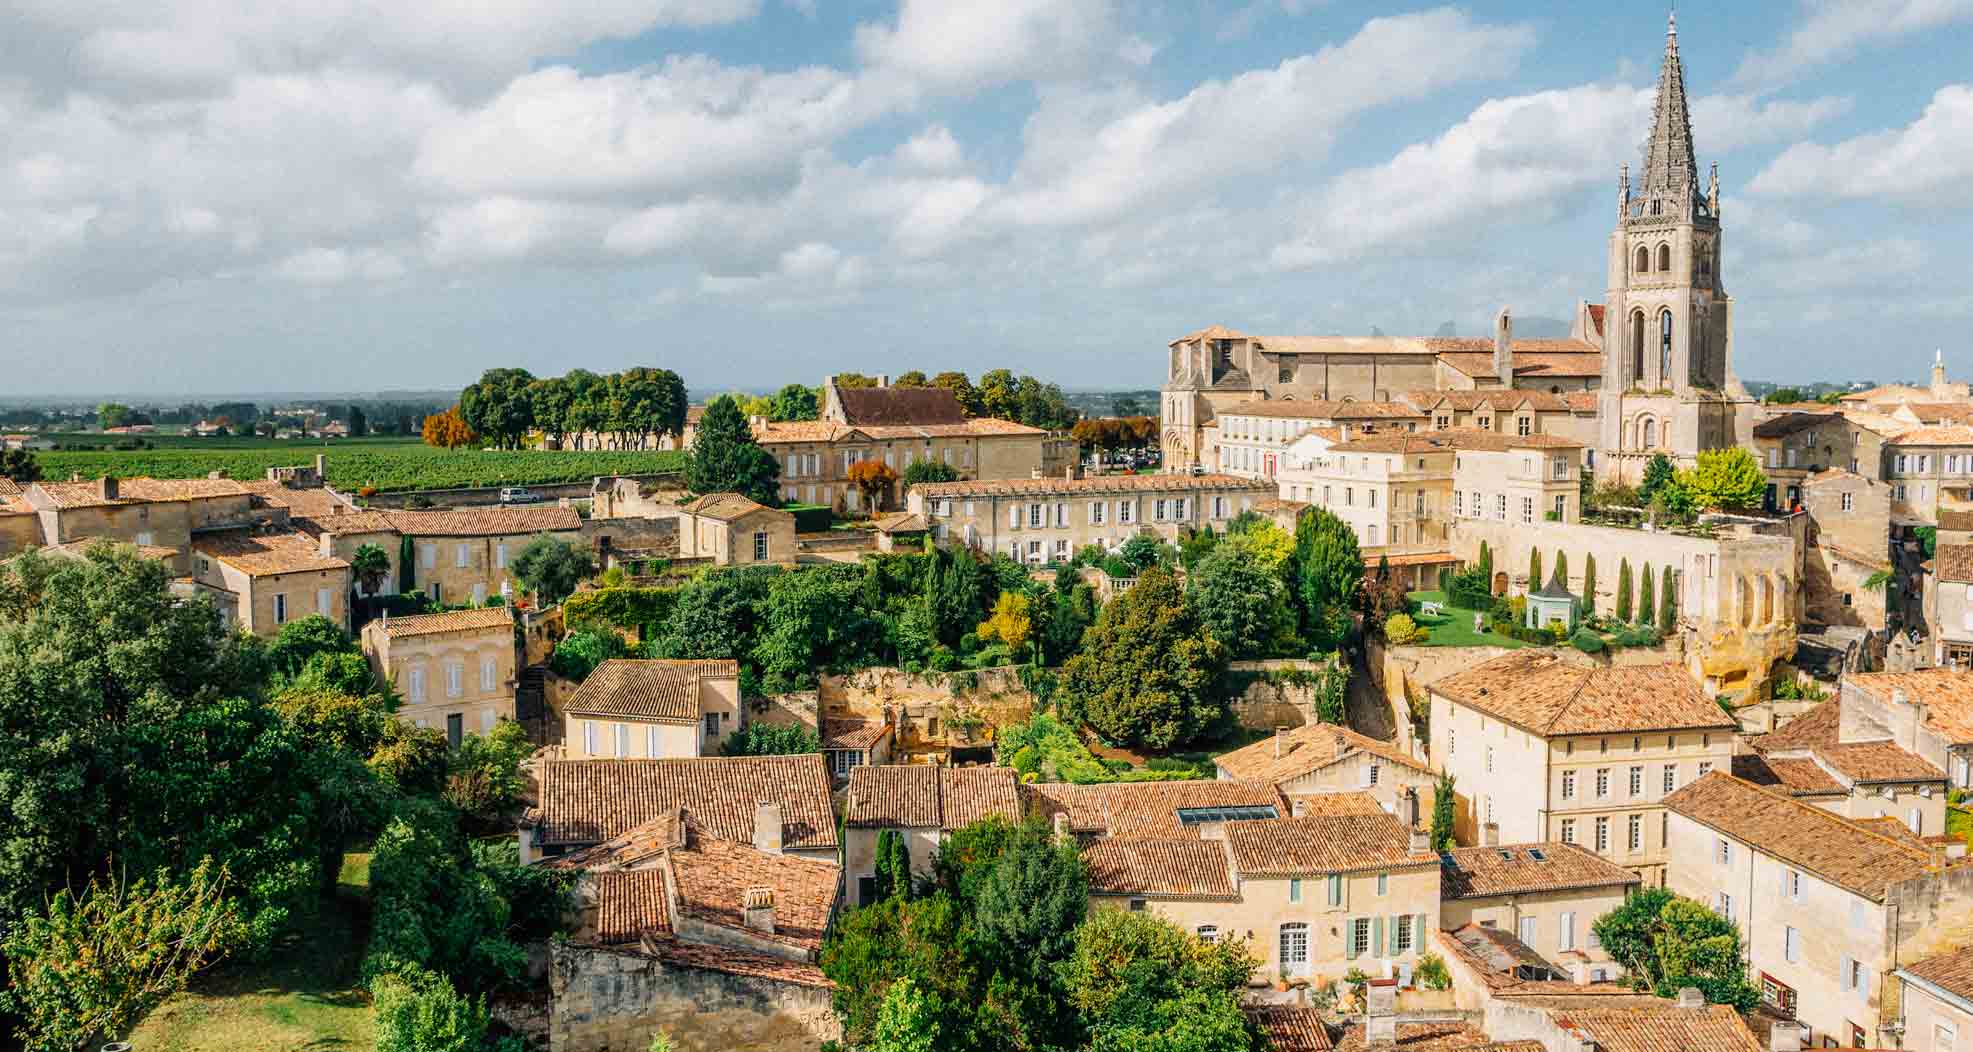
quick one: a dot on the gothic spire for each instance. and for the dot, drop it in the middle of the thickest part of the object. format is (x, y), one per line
(1669, 167)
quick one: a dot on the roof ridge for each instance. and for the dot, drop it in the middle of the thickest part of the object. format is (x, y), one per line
(1822, 814)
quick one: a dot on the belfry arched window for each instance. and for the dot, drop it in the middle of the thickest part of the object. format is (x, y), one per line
(1648, 433)
(1664, 257)
(1637, 344)
(1643, 260)
(1665, 345)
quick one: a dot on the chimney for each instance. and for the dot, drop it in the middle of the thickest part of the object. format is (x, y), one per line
(326, 546)
(767, 827)
(759, 906)
(1380, 1013)
(1503, 347)
(1342, 743)
(215, 474)
(1490, 834)
(1061, 826)
(1412, 815)
(1690, 997)
(1421, 841)
(106, 487)
(1786, 1036)
(1280, 740)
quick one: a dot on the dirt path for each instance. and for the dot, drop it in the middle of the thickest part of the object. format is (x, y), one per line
(1364, 705)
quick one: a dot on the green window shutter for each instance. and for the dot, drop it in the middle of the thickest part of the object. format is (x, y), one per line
(1377, 937)
(1349, 941)
(1418, 933)
(1335, 889)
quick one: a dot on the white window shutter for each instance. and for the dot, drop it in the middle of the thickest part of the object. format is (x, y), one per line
(1014, 516)
(1844, 978)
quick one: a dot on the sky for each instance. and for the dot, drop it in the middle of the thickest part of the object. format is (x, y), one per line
(217, 196)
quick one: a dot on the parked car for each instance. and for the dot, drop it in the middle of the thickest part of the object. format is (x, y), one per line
(519, 495)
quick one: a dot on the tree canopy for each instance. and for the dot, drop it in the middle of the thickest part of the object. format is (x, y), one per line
(1668, 942)
(1147, 669)
(551, 568)
(499, 406)
(727, 459)
(1729, 479)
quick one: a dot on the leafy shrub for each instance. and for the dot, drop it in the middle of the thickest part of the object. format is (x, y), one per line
(1432, 973)
(766, 739)
(418, 1011)
(1587, 641)
(578, 654)
(1400, 629)
(483, 777)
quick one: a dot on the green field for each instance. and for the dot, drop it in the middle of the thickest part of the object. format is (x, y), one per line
(385, 463)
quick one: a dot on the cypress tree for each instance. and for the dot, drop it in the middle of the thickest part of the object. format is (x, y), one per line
(1589, 583)
(1442, 814)
(407, 563)
(1486, 563)
(1623, 590)
(1534, 568)
(1667, 604)
(1562, 567)
(1647, 601)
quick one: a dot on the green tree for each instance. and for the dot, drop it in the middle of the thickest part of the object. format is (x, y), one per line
(1534, 568)
(715, 615)
(93, 964)
(303, 638)
(1243, 606)
(1485, 563)
(906, 1022)
(644, 402)
(113, 414)
(370, 565)
(911, 378)
(359, 424)
(1623, 590)
(766, 739)
(1144, 550)
(1668, 942)
(419, 1011)
(962, 391)
(499, 406)
(726, 459)
(1658, 471)
(1562, 567)
(551, 569)
(1785, 396)
(1060, 621)
(1647, 598)
(19, 465)
(1589, 583)
(483, 778)
(1667, 602)
(1328, 570)
(577, 654)
(954, 591)
(1011, 623)
(999, 394)
(1444, 815)
(407, 565)
(1725, 478)
(1142, 982)
(1147, 670)
(923, 471)
(811, 622)
(549, 401)
(793, 402)
(893, 868)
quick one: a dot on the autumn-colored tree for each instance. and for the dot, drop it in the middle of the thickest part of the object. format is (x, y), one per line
(448, 430)
(874, 479)
(1010, 623)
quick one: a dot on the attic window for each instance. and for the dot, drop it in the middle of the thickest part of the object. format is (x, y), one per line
(1537, 854)
(1192, 816)
(1507, 856)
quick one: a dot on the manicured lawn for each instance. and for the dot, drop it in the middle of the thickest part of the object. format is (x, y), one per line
(303, 996)
(1454, 627)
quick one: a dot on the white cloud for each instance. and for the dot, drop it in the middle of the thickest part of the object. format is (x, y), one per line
(1098, 156)
(330, 266)
(962, 45)
(1724, 123)
(1835, 28)
(1879, 264)
(1927, 161)
(932, 150)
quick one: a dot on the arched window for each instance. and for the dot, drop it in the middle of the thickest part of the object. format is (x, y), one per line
(1664, 257)
(1643, 260)
(1648, 432)
(1637, 345)
(1665, 346)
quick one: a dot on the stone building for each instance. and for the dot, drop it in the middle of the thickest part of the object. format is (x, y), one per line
(653, 709)
(261, 580)
(20, 525)
(463, 555)
(1543, 747)
(161, 513)
(1545, 894)
(1921, 463)
(1928, 712)
(732, 530)
(1948, 605)
(583, 803)
(1325, 758)
(1857, 771)
(454, 670)
(1936, 995)
(924, 804)
(1044, 520)
(1847, 545)
(1827, 905)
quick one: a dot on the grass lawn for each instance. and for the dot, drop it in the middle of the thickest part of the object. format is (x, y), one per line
(303, 996)
(1454, 628)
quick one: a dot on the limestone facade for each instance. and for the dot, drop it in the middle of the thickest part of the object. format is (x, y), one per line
(1047, 520)
(454, 670)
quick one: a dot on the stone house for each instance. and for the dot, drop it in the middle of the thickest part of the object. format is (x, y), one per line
(1936, 995)
(1591, 1021)
(849, 743)
(463, 555)
(342, 533)
(732, 530)
(1920, 463)
(1044, 520)
(161, 513)
(1948, 602)
(712, 938)
(1548, 748)
(1856, 771)
(1325, 758)
(1827, 905)
(583, 803)
(263, 580)
(1488, 963)
(1847, 542)
(1928, 712)
(1793, 446)
(653, 709)
(1251, 440)
(1546, 895)
(20, 524)
(454, 669)
(923, 803)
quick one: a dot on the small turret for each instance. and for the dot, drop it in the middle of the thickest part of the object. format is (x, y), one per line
(1503, 347)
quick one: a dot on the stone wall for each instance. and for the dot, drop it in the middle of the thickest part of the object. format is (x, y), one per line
(936, 712)
(1267, 702)
(613, 1001)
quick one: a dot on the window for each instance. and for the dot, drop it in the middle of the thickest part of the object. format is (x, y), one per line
(1568, 785)
(711, 720)
(1565, 933)
(1335, 889)
(1637, 780)
(1705, 768)
(1096, 513)
(1208, 933)
(460, 554)
(1791, 884)
(1722, 852)
(1602, 782)
(1458, 505)
(1500, 506)
(651, 747)
(1359, 936)
(1561, 506)
(1523, 425)
(500, 556)
(428, 555)
(1602, 836)
(1643, 264)
(1489, 759)
(1401, 931)
(1126, 511)
(280, 609)
(1724, 905)
(455, 679)
(489, 675)
(1294, 949)
(1849, 502)
(1527, 509)
(1665, 333)
(1791, 945)
(1036, 513)
(1568, 830)
(1943, 1037)
(1671, 777)
(1295, 889)
(1139, 905)
(1635, 840)
(1452, 744)
(622, 739)
(1529, 930)
(1853, 974)
(1219, 507)
(1383, 884)
(760, 546)
(416, 687)
(842, 760)
(324, 599)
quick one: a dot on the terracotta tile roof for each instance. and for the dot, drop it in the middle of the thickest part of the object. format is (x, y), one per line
(899, 405)
(1290, 409)
(266, 554)
(920, 796)
(630, 906)
(714, 874)
(1944, 435)
(1789, 423)
(1834, 475)
(635, 848)
(900, 522)
(1874, 562)
(476, 620)
(1290, 1028)
(79, 548)
(312, 501)
(799, 431)
(139, 490)
(1821, 842)
(1955, 519)
(1581, 401)
(1878, 761)
(852, 734)
(1302, 805)
(1512, 869)
(590, 801)
(1817, 726)
(1885, 825)
(1322, 844)
(1954, 562)
(486, 522)
(1210, 332)
(769, 432)
(1650, 1024)
(1173, 867)
(1145, 809)
(1802, 777)
(1947, 695)
(1051, 487)
(1557, 363)
(1434, 1037)
(1501, 960)
(1951, 972)
(1544, 694)
(348, 522)
(1596, 317)
(664, 691)
(726, 507)
(1312, 746)
(1452, 439)
(742, 963)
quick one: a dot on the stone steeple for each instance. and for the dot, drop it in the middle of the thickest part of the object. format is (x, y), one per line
(1670, 174)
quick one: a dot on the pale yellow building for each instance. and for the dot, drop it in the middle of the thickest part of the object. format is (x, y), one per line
(1928, 712)
(1920, 464)
(1251, 439)
(20, 526)
(924, 804)
(263, 580)
(465, 555)
(1857, 771)
(1325, 758)
(1827, 906)
(1044, 520)
(1546, 895)
(1937, 998)
(454, 670)
(1548, 747)
(732, 530)
(653, 709)
(147, 512)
